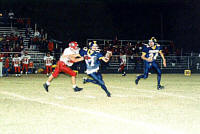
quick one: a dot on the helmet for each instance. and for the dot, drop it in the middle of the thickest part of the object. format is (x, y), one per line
(73, 45)
(153, 39)
(93, 46)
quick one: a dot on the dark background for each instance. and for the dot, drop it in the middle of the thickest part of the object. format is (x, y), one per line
(176, 20)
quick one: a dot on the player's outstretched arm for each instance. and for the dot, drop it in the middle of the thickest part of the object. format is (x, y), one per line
(163, 58)
(105, 59)
(75, 58)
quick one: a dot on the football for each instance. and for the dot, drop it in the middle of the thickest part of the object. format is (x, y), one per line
(108, 54)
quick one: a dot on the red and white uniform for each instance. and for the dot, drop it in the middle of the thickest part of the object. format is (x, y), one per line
(123, 62)
(48, 63)
(64, 63)
(25, 62)
(16, 63)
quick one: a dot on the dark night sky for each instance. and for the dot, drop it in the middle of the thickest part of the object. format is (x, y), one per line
(129, 19)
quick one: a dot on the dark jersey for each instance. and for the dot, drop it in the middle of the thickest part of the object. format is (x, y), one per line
(151, 52)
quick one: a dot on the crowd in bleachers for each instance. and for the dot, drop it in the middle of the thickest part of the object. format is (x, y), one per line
(135, 48)
(11, 43)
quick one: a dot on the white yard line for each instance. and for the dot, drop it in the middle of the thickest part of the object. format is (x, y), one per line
(84, 96)
(126, 96)
(153, 129)
(160, 93)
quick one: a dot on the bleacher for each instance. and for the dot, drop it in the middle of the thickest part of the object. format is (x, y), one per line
(26, 39)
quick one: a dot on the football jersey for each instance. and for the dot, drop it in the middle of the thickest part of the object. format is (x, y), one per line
(48, 60)
(123, 59)
(68, 51)
(92, 60)
(25, 59)
(16, 61)
(151, 52)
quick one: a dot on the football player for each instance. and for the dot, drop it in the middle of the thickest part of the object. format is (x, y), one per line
(69, 56)
(16, 62)
(92, 59)
(48, 63)
(122, 64)
(25, 62)
(149, 54)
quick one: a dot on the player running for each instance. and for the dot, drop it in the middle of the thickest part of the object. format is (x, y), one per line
(48, 63)
(149, 55)
(16, 62)
(69, 56)
(92, 59)
(122, 64)
(25, 62)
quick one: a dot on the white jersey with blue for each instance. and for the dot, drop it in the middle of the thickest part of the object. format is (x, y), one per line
(151, 52)
(92, 60)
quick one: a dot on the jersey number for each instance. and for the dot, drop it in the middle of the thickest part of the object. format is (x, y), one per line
(153, 56)
(90, 62)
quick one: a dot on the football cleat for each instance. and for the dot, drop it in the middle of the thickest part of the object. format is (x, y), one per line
(159, 87)
(124, 74)
(77, 89)
(84, 80)
(108, 94)
(136, 81)
(46, 87)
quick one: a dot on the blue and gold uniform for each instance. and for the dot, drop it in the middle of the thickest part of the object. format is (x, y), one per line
(152, 53)
(92, 60)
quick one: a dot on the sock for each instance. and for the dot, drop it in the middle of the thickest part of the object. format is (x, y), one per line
(48, 83)
(105, 89)
(159, 79)
(74, 86)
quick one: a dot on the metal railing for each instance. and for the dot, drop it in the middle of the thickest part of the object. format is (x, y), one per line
(174, 63)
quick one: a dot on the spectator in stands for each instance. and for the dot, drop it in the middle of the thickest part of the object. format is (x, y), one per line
(28, 23)
(115, 53)
(20, 22)
(20, 39)
(50, 46)
(31, 44)
(27, 33)
(1, 37)
(6, 67)
(171, 47)
(37, 34)
(31, 66)
(166, 51)
(11, 15)
(178, 54)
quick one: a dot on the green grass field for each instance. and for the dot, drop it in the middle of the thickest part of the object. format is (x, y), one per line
(25, 107)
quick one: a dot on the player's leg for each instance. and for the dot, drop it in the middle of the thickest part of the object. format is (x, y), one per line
(26, 68)
(52, 76)
(15, 71)
(69, 71)
(50, 69)
(47, 70)
(7, 72)
(98, 78)
(23, 66)
(86, 80)
(145, 75)
(123, 70)
(18, 69)
(155, 65)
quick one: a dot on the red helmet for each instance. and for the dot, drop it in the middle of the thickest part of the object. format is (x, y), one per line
(73, 45)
